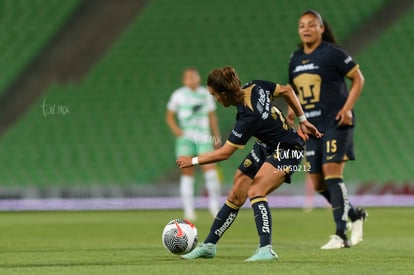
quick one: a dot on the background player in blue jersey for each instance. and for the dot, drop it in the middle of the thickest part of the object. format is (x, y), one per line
(317, 72)
(275, 156)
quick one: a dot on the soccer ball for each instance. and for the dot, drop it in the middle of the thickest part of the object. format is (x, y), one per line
(179, 236)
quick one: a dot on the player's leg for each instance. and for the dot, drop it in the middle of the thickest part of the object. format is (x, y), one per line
(316, 151)
(339, 201)
(356, 215)
(267, 180)
(211, 178)
(224, 219)
(314, 154)
(235, 199)
(238, 195)
(212, 183)
(320, 186)
(187, 193)
(230, 209)
(185, 147)
(337, 149)
(309, 194)
(270, 176)
(336, 145)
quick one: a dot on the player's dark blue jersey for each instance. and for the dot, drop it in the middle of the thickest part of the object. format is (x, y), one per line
(257, 117)
(319, 80)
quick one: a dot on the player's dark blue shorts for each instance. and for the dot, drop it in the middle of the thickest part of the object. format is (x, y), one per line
(336, 145)
(285, 158)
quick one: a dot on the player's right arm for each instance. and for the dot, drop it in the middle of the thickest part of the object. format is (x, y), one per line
(239, 136)
(172, 123)
(223, 153)
(170, 117)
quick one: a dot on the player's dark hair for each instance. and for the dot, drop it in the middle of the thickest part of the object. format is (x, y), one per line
(225, 80)
(327, 35)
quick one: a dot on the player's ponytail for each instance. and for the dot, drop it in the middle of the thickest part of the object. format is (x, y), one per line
(328, 35)
(226, 80)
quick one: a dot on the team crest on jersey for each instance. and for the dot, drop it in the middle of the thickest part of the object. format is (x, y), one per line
(247, 163)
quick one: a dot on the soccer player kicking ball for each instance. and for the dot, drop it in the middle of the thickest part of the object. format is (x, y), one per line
(272, 160)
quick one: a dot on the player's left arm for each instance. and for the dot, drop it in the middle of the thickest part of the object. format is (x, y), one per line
(290, 113)
(217, 155)
(214, 129)
(290, 117)
(292, 100)
(344, 115)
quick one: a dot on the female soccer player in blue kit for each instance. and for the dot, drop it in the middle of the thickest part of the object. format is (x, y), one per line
(276, 154)
(317, 72)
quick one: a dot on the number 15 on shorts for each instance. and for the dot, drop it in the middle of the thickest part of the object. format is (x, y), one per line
(331, 146)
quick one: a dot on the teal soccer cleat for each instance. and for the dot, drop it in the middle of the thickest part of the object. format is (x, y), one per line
(264, 253)
(204, 250)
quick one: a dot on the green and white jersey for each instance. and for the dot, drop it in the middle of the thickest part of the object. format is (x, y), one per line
(192, 108)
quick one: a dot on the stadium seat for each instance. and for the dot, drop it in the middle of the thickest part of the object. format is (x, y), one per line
(115, 133)
(21, 39)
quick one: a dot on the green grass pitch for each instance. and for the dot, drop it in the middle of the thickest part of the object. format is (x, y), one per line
(129, 242)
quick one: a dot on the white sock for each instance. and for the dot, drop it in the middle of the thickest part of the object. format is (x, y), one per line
(214, 190)
(187, 196)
